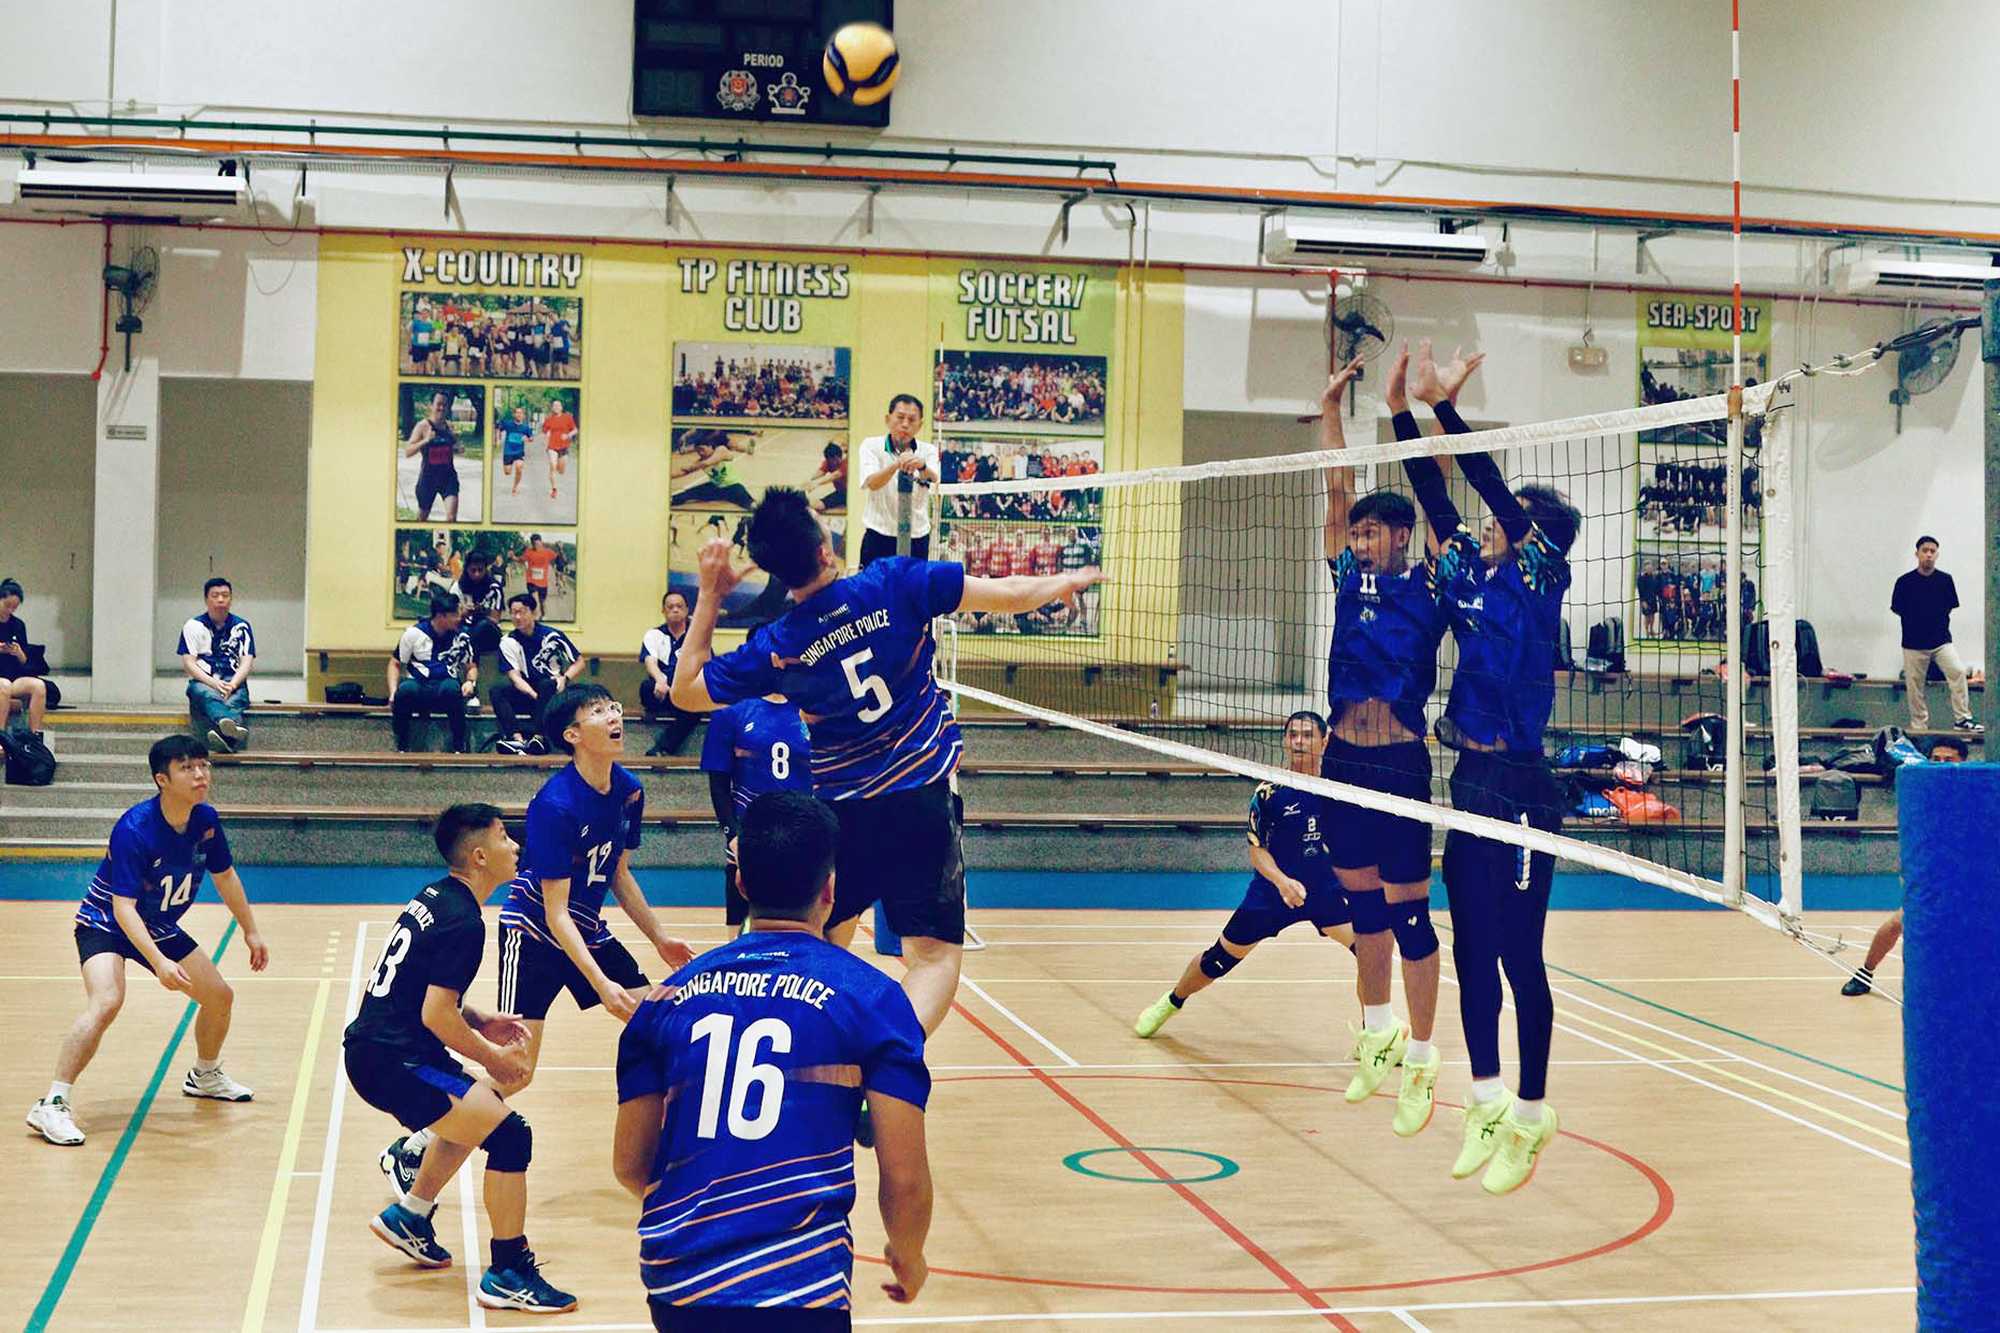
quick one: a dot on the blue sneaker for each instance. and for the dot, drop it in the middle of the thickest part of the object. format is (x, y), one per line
(397, 1226)
(522, 1288)
(399, 1166)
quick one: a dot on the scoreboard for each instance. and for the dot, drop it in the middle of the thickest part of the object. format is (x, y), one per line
(745, 60)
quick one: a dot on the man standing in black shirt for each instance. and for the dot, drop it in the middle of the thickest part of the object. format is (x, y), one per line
(1924, 600)
(398, 1059)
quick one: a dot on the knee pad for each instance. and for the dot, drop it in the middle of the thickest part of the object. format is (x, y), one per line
(1371, 911)
(510, 1146)
(1216, 962)
(1416, 937)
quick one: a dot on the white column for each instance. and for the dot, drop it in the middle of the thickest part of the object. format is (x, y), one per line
(125, 573)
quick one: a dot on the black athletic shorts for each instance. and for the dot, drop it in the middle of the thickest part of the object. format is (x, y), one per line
(754, 1319)
(533, 973)
(1517, 790)
(432, 484)
(90, 941)
(903, 849)
(1358, 836)
(1263, 913)
(417, 1092)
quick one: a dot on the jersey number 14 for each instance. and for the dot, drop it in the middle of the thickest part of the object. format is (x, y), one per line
(715, 1029)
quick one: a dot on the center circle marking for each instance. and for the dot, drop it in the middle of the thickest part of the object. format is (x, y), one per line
(1224, 1168)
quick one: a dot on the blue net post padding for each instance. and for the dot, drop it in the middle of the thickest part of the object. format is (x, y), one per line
(887, 941)
(1951, 999)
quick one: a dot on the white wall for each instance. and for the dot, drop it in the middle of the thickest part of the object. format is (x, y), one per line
(47, 480)
(233, 503)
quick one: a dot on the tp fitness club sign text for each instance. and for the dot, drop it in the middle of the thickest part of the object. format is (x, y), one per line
(1005, 306)
(766, 295)
(493, 268)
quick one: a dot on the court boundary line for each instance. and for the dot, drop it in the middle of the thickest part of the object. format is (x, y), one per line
(79, 1236)
(330, 1158)
(1018, 1021)
(1313, 1299)
(266, 1267)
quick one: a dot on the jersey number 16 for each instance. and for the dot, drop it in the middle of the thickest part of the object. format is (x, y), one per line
(715, 1029)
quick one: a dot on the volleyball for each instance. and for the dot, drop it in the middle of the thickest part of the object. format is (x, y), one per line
(860, 63)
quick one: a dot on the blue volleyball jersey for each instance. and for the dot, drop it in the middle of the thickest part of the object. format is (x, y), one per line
(1286, 823)
(156, 865)
(762, 1049)
(856, 659)
(1386, 631)
(574, 832)
(1506, 620)
(762, 746)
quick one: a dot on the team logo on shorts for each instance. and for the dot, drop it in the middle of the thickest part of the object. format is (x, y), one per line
(738, 90)
(788, 97)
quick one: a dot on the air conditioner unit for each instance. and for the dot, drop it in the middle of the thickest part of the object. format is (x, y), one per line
(99, 193)
(1880, 273)
(1288, 242)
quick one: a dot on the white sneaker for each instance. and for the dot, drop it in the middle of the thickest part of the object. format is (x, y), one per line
(215, 1085)
(235, 732)
(50, 1118)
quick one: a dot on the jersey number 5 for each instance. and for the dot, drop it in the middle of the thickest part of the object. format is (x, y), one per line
(715, 1030)
(866, 687)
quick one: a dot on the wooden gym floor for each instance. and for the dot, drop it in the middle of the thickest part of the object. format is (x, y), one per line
(1734, 1150)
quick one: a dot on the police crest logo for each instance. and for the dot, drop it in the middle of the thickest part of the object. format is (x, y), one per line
(738, 90)
(788, 96)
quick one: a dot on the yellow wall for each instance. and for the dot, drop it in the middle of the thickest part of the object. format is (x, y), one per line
(631, 295)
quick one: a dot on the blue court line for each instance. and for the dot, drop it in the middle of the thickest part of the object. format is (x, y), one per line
(698, 887)
(59, 1280)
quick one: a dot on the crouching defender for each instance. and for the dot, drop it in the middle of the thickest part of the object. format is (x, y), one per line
(412, 1014)
(1294, 881)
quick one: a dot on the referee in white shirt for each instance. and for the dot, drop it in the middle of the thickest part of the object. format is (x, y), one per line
(891, 464)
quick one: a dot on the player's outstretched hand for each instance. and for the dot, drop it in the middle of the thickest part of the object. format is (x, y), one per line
(718, 576)
(504, 1030)
(174, 977)
(1396, 393)
(1425, 386)
(674, 953)
(1452, 378)
(620, 1002)
(260, 956)
(910, 1272)
(1083, 578)
(1336, 385)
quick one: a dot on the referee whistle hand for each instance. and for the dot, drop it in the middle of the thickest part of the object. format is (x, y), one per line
(909, 1273)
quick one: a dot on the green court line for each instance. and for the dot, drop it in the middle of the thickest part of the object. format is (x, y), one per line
(1719, 1027)
(59, 1280)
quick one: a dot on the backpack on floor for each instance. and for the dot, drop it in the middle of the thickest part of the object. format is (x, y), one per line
(29, 762)
(1836, 796)
(1894, 750)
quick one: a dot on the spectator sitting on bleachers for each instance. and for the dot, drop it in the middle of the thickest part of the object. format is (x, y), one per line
(435, 653)
(218, 650)
(539, 662)
(658, 652)
(21, 685)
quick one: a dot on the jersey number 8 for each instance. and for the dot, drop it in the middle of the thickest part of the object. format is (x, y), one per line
(769, 1079)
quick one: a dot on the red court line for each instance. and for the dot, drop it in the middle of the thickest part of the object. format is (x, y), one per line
(1195, 1201)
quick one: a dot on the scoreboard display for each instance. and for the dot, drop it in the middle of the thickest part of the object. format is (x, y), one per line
(745, 60)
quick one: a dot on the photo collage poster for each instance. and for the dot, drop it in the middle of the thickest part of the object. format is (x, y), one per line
(489, 415)
(762, 371)
(1019, 392)
(1681, 593)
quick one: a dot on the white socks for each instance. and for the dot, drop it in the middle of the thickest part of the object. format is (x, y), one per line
(202, 1066)
(1528, 1113)
(1377, 1017)
(1418, 1053)
(421, 1207)
(58, 1091)
(1486, 1090)
(418, 1141)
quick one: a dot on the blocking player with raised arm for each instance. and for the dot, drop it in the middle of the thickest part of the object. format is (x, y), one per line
(1506, 613)
(737, 1080)
(581, 828)
(413, 1014)
(854, 653)
(1294, 880)
(1389, 619)
(753, 746)
(159, 850)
